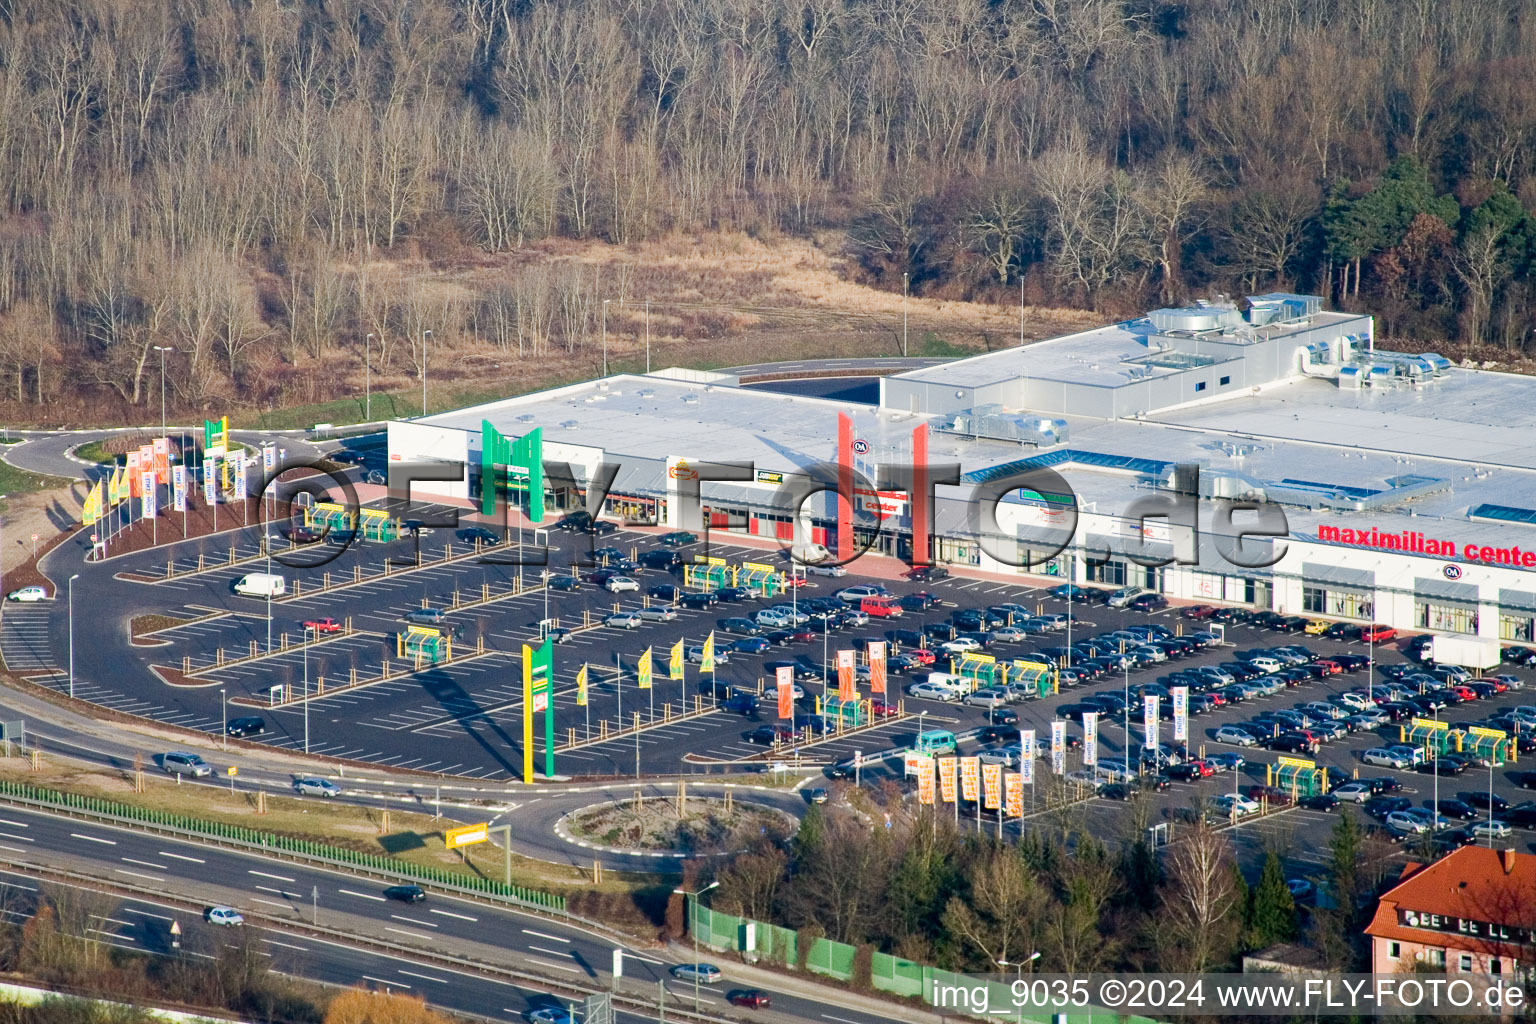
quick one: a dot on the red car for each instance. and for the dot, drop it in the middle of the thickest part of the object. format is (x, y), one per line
(1202, 766)
(921, 655)
(1275, 797)
(750, 998)
(325, 625)
(1333, 667)
(880, 709)
(1462, 691)
(1199, 611)
(1499, 686)
(796, 582)
(1377, 633)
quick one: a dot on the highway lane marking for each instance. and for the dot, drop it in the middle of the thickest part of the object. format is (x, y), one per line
(138, 874)
(287, 945)
(551, 952)
(361, 895)
(144, 864)
(271, 903)
(93, 839)
(17, 824)
(263, 874)
(412, 920)
(542, 935)
(644, 959)
(840, 1020)
(178, 856)
(553, 967)
(24, 839)
(145, 913)
(408, 933)
(278, 892)
(449, 913)
(423, 977)
(385, 981)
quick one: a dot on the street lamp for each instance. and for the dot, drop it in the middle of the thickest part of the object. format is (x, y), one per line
(605, 336)
(224, 718)
(162, 349)
(307, 631)
(904, 278)
(694, 931)
(368, 379)
(1020, 964)
(72, 634)
(424, 336)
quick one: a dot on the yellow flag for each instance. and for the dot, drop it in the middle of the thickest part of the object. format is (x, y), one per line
(114, 485)
(91, 510)
(707, 658)
(675, 662)
(643, 670)
(581, 687)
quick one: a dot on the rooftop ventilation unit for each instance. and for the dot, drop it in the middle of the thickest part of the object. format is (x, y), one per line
(690, 399)
(526, 417)
(569, 424)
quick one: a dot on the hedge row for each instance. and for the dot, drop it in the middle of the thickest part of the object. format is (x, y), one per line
(286, 844)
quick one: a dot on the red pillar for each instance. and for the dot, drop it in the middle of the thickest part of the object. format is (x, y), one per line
(917, 500)
(845, 486)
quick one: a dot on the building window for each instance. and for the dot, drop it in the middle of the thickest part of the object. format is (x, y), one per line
(1447, 618)
(1466, 963)
(1394, 950)
(1200, 385)
(1225, 381)
(1314, 599)
(1516, 627)
(1435, 958)
(1495, 966)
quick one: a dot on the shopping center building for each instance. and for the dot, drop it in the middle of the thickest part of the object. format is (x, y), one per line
(1405, 486)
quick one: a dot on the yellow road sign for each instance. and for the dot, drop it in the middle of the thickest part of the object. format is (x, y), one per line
(469, 835)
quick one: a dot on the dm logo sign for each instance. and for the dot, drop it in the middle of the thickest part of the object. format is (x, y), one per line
(1451, 572)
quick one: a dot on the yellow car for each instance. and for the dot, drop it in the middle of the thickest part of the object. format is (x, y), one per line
(1317, 627)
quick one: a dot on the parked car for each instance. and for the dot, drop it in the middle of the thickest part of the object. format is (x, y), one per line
(563, 583)
(26, 594)
(657, 613)
(323, 625)
(1381, 757)
(246, 725)
(622, 620)
(678, 538)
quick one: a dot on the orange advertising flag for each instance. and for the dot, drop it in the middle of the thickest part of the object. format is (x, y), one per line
(845, 677)
(135, 476)
(925, 781)
(877, 667)
(162, 458)
(970, 778)
(946, 766)
(1015, 790)
(785, 676)
(992, 786)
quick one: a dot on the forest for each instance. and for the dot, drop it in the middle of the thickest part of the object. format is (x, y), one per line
(278, 196)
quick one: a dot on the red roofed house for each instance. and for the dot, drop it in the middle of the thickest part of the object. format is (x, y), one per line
(1473, 911)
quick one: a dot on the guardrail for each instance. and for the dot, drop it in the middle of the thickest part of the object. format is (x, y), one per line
(240, 837)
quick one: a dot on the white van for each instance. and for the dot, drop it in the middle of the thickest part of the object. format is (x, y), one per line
(1264, 663)
(261, 584)
(949, 682)
(809, 554)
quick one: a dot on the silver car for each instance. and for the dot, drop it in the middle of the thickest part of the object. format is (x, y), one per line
(311, 786)
(179, 762)
(657, 613)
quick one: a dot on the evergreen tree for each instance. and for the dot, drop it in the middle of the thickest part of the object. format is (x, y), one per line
(1273, 917)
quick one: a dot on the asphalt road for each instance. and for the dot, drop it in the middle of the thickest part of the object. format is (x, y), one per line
(49, 451)
(274, 894)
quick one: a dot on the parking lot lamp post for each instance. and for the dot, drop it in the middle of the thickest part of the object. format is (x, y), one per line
(162, 349)
(692, 930)
(605, 337)
(267, 542)
(368, 379)
(71, 633)
(426, 336)
(306, 689)
(223, 718)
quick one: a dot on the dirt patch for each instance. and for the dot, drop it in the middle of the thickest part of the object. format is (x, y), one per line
(142, 624)
(52, 515)
(704, 826)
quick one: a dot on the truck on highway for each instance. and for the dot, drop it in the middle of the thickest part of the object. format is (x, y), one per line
(1473, 652)
(261, 584)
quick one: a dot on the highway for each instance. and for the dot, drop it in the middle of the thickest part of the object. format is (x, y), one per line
(288, 898)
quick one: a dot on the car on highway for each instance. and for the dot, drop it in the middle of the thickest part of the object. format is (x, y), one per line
(28, 594)
(751, 998)
(708, 974)
(246, 725)
(223, 916)
(312, 786)
(622, 620)
(405, 893)
(323, 625)
(179, 762)
(620, 585)
(552, 1015)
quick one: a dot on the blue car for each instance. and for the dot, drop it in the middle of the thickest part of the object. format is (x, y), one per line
(751, 645)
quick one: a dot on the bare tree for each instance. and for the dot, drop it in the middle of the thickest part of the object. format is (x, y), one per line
(1201, 900)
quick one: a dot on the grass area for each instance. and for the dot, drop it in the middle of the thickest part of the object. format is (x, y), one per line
(933, 345)
(413, 836)
(142, 624)
(16, 482)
